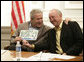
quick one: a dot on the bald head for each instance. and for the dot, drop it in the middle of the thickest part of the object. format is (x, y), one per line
(56, 11)
(55, 17)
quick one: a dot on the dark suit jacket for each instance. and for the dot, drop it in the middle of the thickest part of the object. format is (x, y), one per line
(24, 26)
(71, 40)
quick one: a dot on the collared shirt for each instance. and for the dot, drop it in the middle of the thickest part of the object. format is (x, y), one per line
(32, 28)
(58, 32)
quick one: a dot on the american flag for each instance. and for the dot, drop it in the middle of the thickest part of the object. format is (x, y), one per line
(17, 15)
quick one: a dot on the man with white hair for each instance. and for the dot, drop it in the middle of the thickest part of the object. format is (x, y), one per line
(63, 38)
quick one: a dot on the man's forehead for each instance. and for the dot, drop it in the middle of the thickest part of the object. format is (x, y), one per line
(52, 13)
(38, 14)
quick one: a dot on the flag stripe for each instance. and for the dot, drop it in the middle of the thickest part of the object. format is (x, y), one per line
(18, 9)
(14, 18)
(11, 27)
(23, 9)
(16, 13)
(12, 24)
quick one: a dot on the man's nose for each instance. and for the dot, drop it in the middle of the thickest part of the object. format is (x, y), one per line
(40, 20)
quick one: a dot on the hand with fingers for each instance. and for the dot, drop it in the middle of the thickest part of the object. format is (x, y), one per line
(26, 43)
(18, 39)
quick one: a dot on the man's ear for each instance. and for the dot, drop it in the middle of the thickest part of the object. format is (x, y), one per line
(60, 15)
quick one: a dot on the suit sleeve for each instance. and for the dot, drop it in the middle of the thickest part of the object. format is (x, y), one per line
(78, 39)
(42, 44)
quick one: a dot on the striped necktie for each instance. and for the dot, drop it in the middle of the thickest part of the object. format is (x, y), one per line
(58, 31)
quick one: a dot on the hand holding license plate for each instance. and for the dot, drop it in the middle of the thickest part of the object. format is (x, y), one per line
(29, 34)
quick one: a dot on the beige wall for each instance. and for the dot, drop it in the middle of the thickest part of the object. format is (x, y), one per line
(5, 36)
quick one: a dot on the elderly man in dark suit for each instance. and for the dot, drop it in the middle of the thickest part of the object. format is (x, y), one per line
(63, 38)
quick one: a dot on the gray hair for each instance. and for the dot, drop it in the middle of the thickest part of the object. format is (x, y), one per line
(58, 11)
(33, 12)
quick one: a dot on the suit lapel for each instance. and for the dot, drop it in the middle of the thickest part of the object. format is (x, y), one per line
(63, 31)
(40, 32)
(25, 26)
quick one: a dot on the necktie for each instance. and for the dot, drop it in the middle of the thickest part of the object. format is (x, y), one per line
(58, 31)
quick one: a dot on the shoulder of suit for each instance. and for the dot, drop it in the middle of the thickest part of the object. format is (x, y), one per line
(25, 23)
(72, 22)
(47, 27)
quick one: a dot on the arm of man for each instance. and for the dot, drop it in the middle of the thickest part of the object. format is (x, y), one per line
(15, 37)
(32, 46)
(40, 45)
(78, 38)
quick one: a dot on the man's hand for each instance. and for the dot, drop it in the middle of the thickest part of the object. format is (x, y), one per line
(67, 20)
(24, 42)
(18, 39)
(28, 45)
(64, 54)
